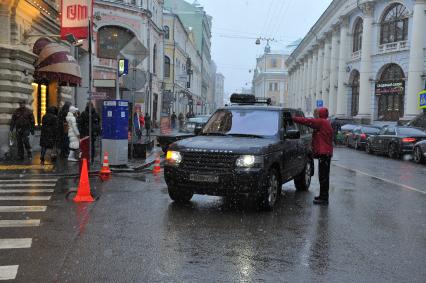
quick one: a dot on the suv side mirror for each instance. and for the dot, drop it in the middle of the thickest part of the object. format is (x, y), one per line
(198, 130)
(291, 134)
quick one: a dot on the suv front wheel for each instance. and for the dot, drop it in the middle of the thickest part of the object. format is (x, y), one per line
(272, 191)
(303, 180)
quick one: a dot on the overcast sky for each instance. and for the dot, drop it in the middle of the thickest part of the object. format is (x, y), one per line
(237, 22)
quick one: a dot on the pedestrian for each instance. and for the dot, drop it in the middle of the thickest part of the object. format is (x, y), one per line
(73, 134)
(23, 122)
(138, 122)
(49, 136)
(83, 122)
(181, 119)
(173, 119)
(148, 124)
(322, 147)
(63, 140)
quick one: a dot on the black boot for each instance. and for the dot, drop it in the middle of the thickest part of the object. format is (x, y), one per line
(321, 201)
(30, 156)
(41, 161)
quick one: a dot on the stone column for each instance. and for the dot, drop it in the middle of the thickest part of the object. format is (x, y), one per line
(326, 71)
(320, 65)
(343, 57)
(307, 81)
(314, 74)
(416, 62)
(365, 69)
(334, 70)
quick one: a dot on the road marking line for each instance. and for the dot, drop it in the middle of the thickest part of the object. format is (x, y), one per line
(23, 208)
(7, 191)
(8, 272)
(25, 197)
(381, 179)
(28, 180)
(27, 185)
(22, 243)
(20, 223)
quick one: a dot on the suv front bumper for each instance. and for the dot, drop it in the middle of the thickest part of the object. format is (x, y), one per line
(237, 182)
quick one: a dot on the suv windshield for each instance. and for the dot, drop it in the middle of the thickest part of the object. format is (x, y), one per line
(243, 122)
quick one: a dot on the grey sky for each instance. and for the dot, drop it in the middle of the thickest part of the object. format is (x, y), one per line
(284, 20)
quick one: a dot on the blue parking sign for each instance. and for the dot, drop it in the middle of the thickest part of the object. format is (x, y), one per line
(422, 99)
(320, 103)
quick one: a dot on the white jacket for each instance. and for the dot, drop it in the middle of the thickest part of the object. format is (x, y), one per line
(73, 132)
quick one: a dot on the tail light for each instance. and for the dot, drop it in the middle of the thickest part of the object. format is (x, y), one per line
(363, 136)
(408, 140)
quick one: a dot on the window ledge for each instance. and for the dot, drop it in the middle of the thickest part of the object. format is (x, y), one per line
(393, 47)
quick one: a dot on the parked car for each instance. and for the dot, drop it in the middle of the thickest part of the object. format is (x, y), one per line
(243, 150)
(418, 122)
(359, 135)
(395, 141)
(344, 132)
(188, 131)
(420, 152)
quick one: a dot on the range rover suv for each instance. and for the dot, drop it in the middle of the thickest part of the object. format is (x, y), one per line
(244, 149)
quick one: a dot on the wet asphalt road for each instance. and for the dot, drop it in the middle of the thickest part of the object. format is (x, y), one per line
(373, 231)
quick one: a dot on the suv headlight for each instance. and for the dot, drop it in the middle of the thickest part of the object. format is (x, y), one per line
(248, 161)
(173, 157)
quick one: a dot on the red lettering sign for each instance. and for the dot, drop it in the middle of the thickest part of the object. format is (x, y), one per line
(75, 15)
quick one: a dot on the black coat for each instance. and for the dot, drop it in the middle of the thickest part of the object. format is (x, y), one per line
(83, 123)
(49, 132)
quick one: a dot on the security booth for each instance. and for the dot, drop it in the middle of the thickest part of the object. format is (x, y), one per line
(115, 127)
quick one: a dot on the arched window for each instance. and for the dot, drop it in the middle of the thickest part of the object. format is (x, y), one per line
(357, 37)
(390, 93)
(166, 67)
(166, 32)
(355, 93)
(394, 25)
(111, 39)
(154, 59)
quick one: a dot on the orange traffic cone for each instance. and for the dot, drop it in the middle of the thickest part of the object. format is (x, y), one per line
(157, 167)
(105, 173)
(83, 191)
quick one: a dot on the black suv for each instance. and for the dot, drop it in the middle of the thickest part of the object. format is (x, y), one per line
(244, 149)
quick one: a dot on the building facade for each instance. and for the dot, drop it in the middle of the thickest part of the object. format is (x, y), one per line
(117, 25)
(363, 59)
(270, 77)
(26, 71)
(196, 19)
(182, 66)
(219, 90)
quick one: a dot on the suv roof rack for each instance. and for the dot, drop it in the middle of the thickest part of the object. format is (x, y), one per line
(248, 99)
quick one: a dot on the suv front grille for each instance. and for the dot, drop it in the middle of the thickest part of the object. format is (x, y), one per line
(214, 162)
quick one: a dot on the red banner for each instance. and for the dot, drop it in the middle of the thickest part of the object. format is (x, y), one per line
(75, 15)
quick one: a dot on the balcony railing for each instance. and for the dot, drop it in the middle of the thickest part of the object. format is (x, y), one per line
(393, 47)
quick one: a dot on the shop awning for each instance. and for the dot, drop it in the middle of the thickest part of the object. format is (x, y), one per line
(55, 63)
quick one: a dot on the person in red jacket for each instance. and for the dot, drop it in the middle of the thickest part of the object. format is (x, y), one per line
(322, 148)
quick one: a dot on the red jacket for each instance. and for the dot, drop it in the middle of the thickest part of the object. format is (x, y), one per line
(322, 138)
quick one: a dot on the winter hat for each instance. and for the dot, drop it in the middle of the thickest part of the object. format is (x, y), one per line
(73, 109)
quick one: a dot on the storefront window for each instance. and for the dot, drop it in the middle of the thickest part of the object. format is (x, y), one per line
(390, 91)
(40, 101)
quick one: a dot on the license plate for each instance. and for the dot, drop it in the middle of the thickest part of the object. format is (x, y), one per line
(204, 178)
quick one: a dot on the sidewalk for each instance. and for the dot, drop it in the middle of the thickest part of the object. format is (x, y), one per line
(63, 167)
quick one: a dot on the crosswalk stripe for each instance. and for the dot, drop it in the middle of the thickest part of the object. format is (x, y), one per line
(8, 272)
(27, 208)
(20, 223)
(15, 243)
(28, 185)
(25, 197)
(28, 180)
(29, 191)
